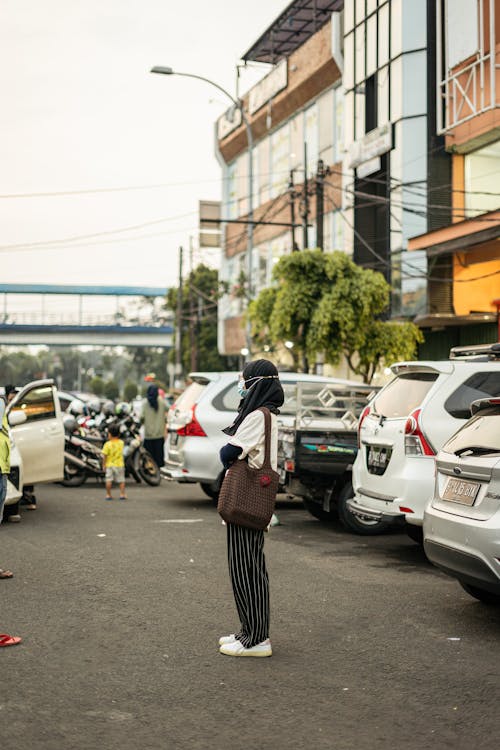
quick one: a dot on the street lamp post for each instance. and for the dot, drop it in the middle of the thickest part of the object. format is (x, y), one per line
(162, 70)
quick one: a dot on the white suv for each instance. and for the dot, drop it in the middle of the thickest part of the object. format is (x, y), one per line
(404, 426)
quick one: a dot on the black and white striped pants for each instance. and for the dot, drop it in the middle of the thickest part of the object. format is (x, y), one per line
(250, 581)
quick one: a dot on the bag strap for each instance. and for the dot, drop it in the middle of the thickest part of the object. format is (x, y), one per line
(267, 437)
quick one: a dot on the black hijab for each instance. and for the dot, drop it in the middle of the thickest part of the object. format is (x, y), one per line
(267, 392)
(152, 396)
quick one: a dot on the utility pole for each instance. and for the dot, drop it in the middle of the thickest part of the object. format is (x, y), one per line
(293, 195)
(305, 204)
(192, 337)
(320, 199)
(178, 336)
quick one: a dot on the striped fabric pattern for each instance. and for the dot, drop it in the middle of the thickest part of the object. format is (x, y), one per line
(250, 582)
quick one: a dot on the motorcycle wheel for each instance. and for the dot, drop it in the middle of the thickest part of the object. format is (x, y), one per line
(148, 468)
(74, 476)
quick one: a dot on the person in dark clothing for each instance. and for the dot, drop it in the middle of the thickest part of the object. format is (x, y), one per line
(153, 418)
(259, 386)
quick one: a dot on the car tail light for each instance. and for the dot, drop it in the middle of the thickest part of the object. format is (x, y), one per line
(192, 428)
(290, 465)
(364, 414)
(416, 444)
(404, 509)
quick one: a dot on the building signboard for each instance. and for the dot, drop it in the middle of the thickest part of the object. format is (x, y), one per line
(375, 143)
(263, 91)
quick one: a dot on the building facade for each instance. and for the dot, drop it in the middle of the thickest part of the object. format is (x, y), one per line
(464, 293)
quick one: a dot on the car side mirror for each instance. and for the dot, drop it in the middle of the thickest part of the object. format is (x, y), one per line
(17, 417)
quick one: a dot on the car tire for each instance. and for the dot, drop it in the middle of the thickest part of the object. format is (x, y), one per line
(212, 489)
(416, 533)
(316, 509)
(10, 510)
(486, 597)
(364, 527)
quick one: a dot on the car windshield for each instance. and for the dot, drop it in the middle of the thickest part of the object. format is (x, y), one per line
(403, 394)
(480, 435)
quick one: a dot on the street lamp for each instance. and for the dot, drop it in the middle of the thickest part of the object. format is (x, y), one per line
(163, 70)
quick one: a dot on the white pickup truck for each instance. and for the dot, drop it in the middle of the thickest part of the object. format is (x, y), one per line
(37, 438)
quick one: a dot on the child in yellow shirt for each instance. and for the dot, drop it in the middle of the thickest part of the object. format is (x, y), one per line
(113, 462)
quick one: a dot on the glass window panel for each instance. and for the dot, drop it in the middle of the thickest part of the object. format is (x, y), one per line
(38, 404)
(242, 183)
(371, 5)
(348, 73)
(339, 124)
(297, 141)
(383, 95)
(383, 35)
(259, 267)
(311, 137)
(231, 193)
(359, 122)
(396, 92)
(264, 170)
(348, 107)
(360, 10)
(348, 15)
(414, 91)
(360, 54)
(371, 45)
(326, 126)
(396, 28)
(482, 168)
(280, 156)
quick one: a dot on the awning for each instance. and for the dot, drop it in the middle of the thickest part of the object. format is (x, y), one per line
(445, 320)
(299, 21)
(459, 236)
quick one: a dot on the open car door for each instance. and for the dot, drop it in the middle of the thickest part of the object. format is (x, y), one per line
(40, 438)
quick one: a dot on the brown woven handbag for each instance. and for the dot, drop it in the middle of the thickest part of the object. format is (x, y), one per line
(247, 496)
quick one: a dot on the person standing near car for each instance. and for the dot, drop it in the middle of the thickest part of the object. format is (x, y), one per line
(4, 467)
(28, 499)
(259, 386)
(153, 418)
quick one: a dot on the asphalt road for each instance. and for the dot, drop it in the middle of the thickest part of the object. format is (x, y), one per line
(121, 605)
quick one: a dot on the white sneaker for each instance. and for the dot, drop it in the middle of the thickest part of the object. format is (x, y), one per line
(238, 649)
(227, 639)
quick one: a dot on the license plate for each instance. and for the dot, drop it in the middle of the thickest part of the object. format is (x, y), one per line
(378, 458)
(459, 491)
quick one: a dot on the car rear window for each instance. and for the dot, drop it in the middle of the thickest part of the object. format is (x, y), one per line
(190, 396)
(480, 385)
(482, 431)
(404, 394)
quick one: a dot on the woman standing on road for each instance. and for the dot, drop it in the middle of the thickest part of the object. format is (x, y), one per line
(153, 417)
(259, 386)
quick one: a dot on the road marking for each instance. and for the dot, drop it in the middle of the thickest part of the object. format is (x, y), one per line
(179, 520)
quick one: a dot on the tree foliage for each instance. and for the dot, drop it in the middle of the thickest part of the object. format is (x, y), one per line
(200, 294)
(326, 303)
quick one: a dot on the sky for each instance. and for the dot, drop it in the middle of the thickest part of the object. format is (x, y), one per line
(81, 112)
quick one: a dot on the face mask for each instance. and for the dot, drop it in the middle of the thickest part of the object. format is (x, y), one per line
(241, 388)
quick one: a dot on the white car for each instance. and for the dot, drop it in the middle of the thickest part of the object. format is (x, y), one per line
(37, 435)
(406, 424)
(197, 418)
(462, 521)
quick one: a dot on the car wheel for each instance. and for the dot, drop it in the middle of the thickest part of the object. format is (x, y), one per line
(487, 597)
(212, 489)
(416, 533)
(10, 510)
(364, 526)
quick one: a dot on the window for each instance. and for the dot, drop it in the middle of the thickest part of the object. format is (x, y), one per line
(242, 183)
(482, 168)
(360, 54)
(339, 124)
(228, 399)
(404, 394)
(297, 141)
(480, 385)
(371, 119)
(311, 137)
(38, 404)
(259, 267)
(396, 28)
(396, 90)
(383, 95)
(263, 170)
(231, 196)
(383, 35)
(371, 45)
(481, 432)
(280, 158)
(348, 72)
(360, 10)
(326, 109)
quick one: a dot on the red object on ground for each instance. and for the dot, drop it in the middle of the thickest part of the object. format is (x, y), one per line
(9, 640)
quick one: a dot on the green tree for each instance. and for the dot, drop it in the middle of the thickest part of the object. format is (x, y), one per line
(111, 389)
(200, 294)
(96, 385)
(324, 302)
(130, 390)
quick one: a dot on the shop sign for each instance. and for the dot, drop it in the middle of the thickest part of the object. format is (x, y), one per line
(374, 143)
(263, 91)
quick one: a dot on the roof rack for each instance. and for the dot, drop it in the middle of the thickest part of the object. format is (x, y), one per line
(478, 352)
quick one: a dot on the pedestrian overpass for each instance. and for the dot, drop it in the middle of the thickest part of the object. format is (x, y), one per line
(76, 327)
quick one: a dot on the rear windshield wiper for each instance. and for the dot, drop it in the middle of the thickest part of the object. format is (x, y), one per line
(476, 450)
